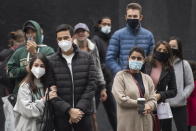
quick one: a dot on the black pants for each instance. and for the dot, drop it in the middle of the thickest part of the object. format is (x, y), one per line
(180, 119)
(166, 125)
(110, 108)
(83, 125)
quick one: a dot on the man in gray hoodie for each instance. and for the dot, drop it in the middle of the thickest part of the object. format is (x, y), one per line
(81, 32)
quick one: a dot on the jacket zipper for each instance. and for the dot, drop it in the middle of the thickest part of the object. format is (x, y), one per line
(73, 87)
(73, 90)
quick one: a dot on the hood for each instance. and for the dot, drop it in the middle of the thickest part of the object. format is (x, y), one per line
(177, 60)
(38, 39)
(91, 45)
(136, 30)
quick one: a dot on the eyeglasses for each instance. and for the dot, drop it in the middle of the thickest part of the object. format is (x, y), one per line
(139, 58)
(63, 38)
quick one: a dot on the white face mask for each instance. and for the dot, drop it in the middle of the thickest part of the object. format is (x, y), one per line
(38, 72)
(106, 29)
(65, 45)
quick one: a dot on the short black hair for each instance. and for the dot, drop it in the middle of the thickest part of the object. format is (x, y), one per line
(137, 49)
(101, 19)
(65, 27)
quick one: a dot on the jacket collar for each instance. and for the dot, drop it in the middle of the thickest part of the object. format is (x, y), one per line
(105, 37)
(148, 69)
(91, 45)
(163, 74)
(177, 60)
(135, 31)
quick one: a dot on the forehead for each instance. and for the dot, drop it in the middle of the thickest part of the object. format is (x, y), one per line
(173, 42)
(161, 46)
(133, 12)
(135, 53)
(38, 61)
(30, 30)
(63, 33)
(106, 20)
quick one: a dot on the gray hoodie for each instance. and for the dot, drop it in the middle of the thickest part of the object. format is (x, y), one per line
(28, 112)
(184, 85)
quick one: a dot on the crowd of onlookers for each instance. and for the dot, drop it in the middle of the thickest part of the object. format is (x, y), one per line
(143, 84)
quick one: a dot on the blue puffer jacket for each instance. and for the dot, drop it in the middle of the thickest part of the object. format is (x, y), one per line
(122, 41)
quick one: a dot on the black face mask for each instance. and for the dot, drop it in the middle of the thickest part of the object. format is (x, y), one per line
(133, 23)
(175, 52)
(161, 56)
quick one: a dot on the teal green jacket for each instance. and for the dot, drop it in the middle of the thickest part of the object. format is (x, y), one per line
(18, 61)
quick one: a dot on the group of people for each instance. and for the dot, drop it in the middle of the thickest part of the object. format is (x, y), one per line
(125, 70)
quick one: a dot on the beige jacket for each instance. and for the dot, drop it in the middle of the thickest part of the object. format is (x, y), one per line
(126, 92)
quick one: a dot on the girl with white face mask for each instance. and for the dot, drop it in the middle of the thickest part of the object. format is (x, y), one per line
(29, 107)
(134, 94)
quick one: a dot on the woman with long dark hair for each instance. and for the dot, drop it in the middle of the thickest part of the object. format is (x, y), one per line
(29, 107)
(160, 68)
(184, 82)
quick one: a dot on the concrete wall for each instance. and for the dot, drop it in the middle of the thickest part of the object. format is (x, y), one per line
(163, 17)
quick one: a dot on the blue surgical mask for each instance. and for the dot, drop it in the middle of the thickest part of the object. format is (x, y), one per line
(135, 65)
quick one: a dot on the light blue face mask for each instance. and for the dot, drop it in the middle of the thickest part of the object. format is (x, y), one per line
(135, 65)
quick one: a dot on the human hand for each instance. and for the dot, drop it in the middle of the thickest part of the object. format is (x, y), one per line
(52, 94)
(103, 95)
(27, 68)
(31, 46)
(53, 88)
(158, 96)
(75, 115)
(147, 109)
